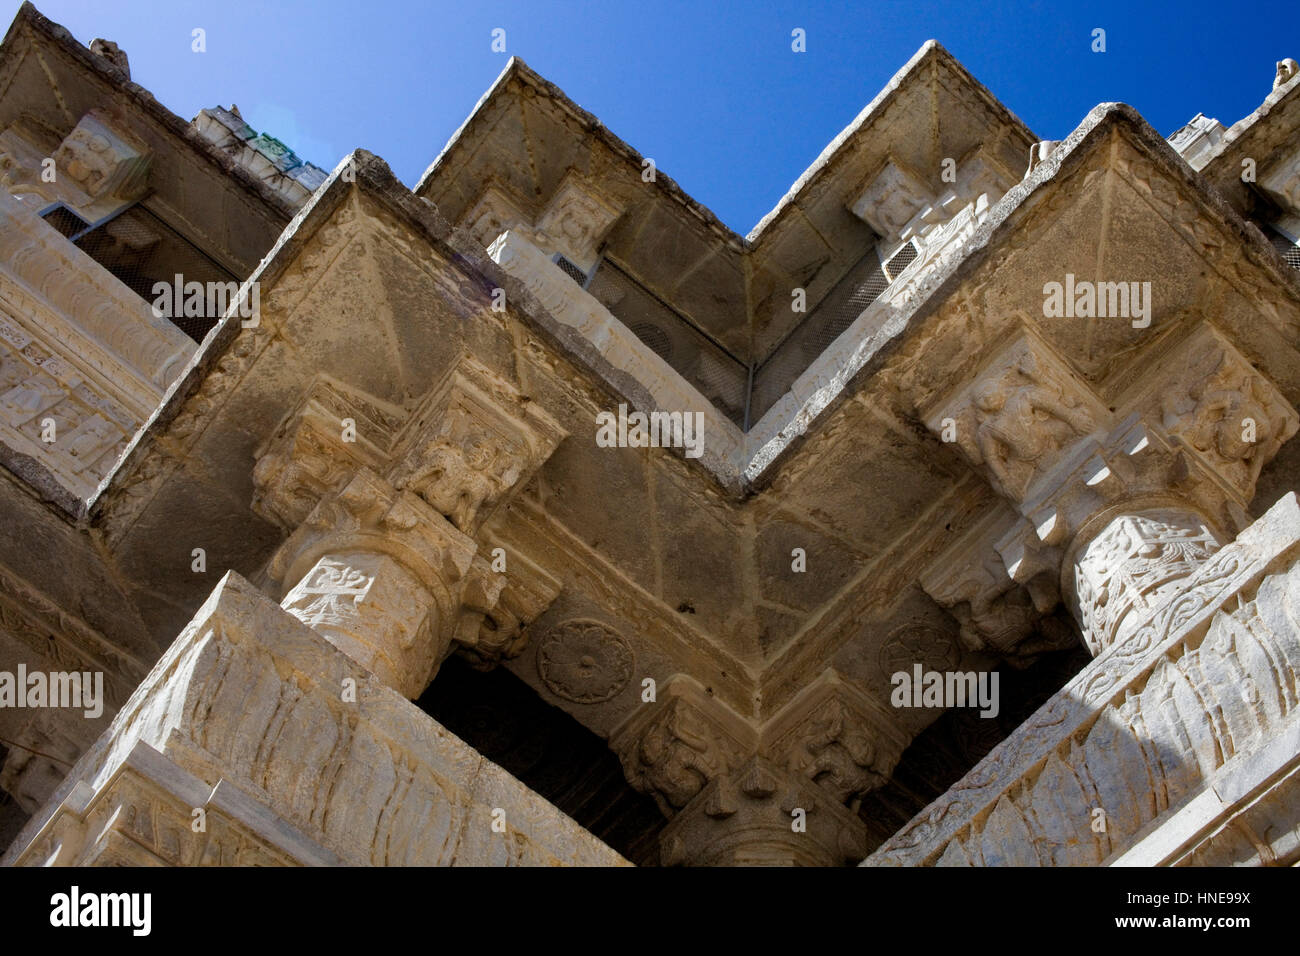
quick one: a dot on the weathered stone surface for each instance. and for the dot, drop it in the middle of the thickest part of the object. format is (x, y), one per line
(1192, 696)
(304, 757)
(930, 467)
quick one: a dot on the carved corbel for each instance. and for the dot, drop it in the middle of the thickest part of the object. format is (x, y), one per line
(671, 749)
(892, 200)
(1020, 416)
(999, 583)
(494, 213)
(1220, 407)
(576, 220)
(833, 735)
(476, 439)
(104, 159)
(318, 447)
(493, 629)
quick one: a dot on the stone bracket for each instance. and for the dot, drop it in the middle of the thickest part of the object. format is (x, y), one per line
(472, 441)
(671, 749)
(1020, 416)
(836, 737)
(758, 814)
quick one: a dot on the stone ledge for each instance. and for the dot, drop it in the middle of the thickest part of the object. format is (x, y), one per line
(250, 697)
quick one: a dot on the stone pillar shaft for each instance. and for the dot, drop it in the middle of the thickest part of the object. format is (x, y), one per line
(377, 612)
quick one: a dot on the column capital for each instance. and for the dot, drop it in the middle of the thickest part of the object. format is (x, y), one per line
(382, 503)
(672, 748)
(1189, 436)
(732, 790)
(382, 575)
(760, 814)
(836, 737)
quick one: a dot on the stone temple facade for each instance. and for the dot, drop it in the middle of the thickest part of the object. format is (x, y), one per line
(535, 517)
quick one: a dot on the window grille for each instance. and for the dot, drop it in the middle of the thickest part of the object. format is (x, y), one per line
(860, 286)
(141, 249)
(571, 270)
(1289, 248)
(901, 259)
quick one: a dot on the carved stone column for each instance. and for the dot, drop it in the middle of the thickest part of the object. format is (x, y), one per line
(380, 575)
(1111, 509)
(1123, 567)
(383, 503)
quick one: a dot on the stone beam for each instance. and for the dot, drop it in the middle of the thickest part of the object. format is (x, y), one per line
(254, 739)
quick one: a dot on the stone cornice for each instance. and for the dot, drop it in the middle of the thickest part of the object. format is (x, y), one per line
(136, 351)
(30, 616)
(767, 454)
(30, 27)
(1265, 136)
(921, 68)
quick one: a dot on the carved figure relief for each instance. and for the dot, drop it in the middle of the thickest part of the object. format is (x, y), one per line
(576, 220)
(27, 400)
(1230, 415)
(674, 758)
(1022, 419)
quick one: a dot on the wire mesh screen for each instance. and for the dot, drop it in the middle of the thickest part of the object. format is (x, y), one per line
(718, 375)
(140, 249)
(861, 286)
(571, 270)
(903, 258)
(64, 220)
(1290, 250)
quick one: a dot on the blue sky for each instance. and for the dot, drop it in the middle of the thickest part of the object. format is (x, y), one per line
(712, 91)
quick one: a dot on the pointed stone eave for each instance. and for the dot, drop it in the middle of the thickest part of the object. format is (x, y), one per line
(590, 124)
(515, 66)
(778, 437)
(931, 56)
(30, 27)
(229, 349)
(1265, 136)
